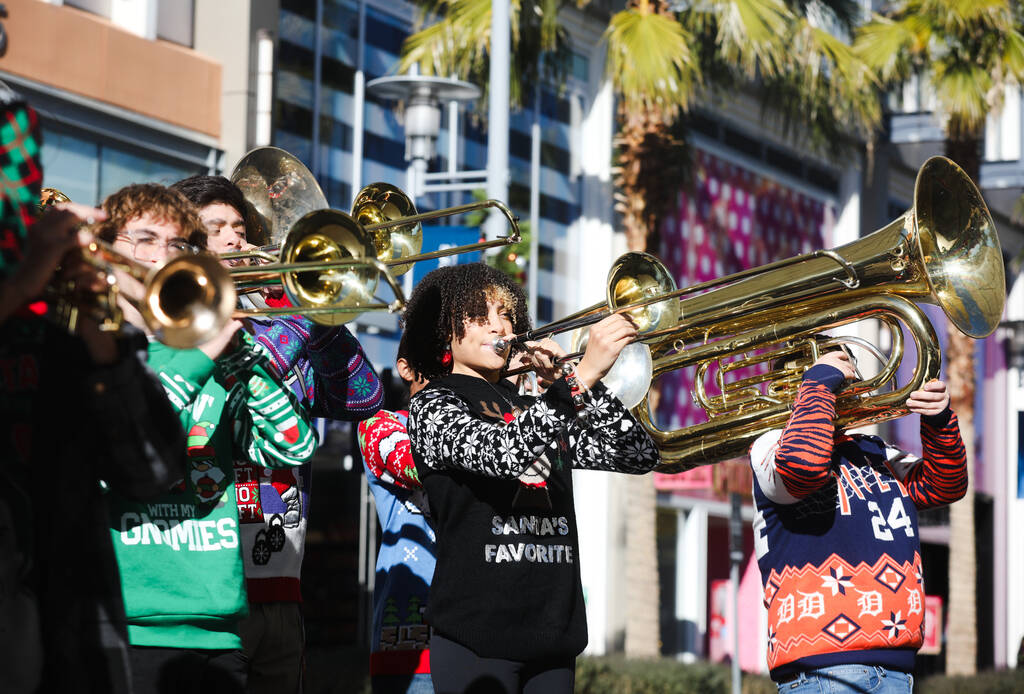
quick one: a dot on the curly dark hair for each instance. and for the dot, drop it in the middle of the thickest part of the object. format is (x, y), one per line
(442, 302)
(166, 204)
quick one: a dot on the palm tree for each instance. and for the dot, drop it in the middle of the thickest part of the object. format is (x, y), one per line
(660, 58)
(967, 52)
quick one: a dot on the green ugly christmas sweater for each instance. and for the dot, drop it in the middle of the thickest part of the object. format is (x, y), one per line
(179, 555)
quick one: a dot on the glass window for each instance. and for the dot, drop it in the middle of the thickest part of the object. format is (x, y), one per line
(100, 7)
(71, 165)
(119, 167)
(174, 21)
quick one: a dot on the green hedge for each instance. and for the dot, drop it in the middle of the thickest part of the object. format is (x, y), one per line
(616, 675)
(1004, 682)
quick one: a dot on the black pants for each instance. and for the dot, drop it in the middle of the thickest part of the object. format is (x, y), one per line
(187, 671)
(457, 670)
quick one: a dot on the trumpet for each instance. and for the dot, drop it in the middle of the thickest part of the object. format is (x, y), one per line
(184, 302)
(329, 261)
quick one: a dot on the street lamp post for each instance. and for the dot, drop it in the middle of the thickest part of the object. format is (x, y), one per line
(423, 95)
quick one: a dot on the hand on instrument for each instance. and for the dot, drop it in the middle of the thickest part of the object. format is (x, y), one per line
(224, 342)
(543, 356)
(607, 339)
(931, 399)
(840, 360)
(49, 241)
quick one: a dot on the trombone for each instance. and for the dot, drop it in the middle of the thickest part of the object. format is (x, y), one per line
(329, 261)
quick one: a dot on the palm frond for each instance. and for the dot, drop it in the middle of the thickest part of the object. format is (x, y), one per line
(963, 91)
(748, 33)
(891, 48)
(650, 61)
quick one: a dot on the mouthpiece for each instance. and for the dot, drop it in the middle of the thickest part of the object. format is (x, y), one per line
(501, 344)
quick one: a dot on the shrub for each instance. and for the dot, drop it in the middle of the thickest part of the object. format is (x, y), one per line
(616, 675)
(1002, 682)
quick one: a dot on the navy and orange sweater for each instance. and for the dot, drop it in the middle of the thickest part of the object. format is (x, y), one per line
(836, 537)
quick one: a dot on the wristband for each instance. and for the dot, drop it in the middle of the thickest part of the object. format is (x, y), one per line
(577, 389)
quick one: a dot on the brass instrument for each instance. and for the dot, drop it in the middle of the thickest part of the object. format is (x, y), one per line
(944, 250)
(329, 262)
(184, 302)
(49, 197)
(637, 284)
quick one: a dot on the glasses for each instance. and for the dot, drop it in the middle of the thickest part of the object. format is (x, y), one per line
(149, 247)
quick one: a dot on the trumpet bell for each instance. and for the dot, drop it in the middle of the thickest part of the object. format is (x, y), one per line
(330, 237)
(278, 189)
(383, 202)
(188, 300)
(636, 277)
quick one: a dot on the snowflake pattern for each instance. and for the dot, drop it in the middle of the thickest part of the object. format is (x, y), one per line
(443, 427)
(895, 624)
(361, 386)
(837, 581)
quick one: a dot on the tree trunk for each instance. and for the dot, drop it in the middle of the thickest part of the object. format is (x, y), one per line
(643, 637)
(962, 629)
(643, 633)
(962, 624)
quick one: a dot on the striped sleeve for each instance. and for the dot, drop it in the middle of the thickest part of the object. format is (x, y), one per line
(271, 427)
(804, 452)
(940, 477)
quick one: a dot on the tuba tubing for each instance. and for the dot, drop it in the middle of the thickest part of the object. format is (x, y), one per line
(726, 437)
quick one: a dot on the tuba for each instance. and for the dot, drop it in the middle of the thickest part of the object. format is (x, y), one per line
(944, 250)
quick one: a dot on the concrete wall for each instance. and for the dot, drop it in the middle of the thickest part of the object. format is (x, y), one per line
(86, 54)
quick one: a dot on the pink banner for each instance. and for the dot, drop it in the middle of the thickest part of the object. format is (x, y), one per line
(732, 219)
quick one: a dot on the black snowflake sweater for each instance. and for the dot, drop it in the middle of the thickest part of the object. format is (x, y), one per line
(497, 468)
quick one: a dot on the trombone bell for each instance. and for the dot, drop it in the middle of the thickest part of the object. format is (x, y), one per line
(382, 202)
(332, 238)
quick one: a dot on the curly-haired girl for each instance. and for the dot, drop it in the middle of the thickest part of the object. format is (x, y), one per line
(506, 602)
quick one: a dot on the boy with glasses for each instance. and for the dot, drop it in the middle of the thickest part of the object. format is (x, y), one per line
(179, 555)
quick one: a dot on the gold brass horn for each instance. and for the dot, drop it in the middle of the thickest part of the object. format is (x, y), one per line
(638, 284)
(383, 202)
(329, 262)
(389, 214)
(943, 250)
(184, 302)
(329, 270)
(279, 190)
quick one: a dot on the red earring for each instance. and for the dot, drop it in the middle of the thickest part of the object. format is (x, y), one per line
(446, 356)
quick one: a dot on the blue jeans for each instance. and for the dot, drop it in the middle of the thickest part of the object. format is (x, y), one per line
(849, 679)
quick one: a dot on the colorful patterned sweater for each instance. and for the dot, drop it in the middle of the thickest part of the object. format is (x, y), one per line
(181, 570)
(405, 563)
(329, 373)
(835, 532)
